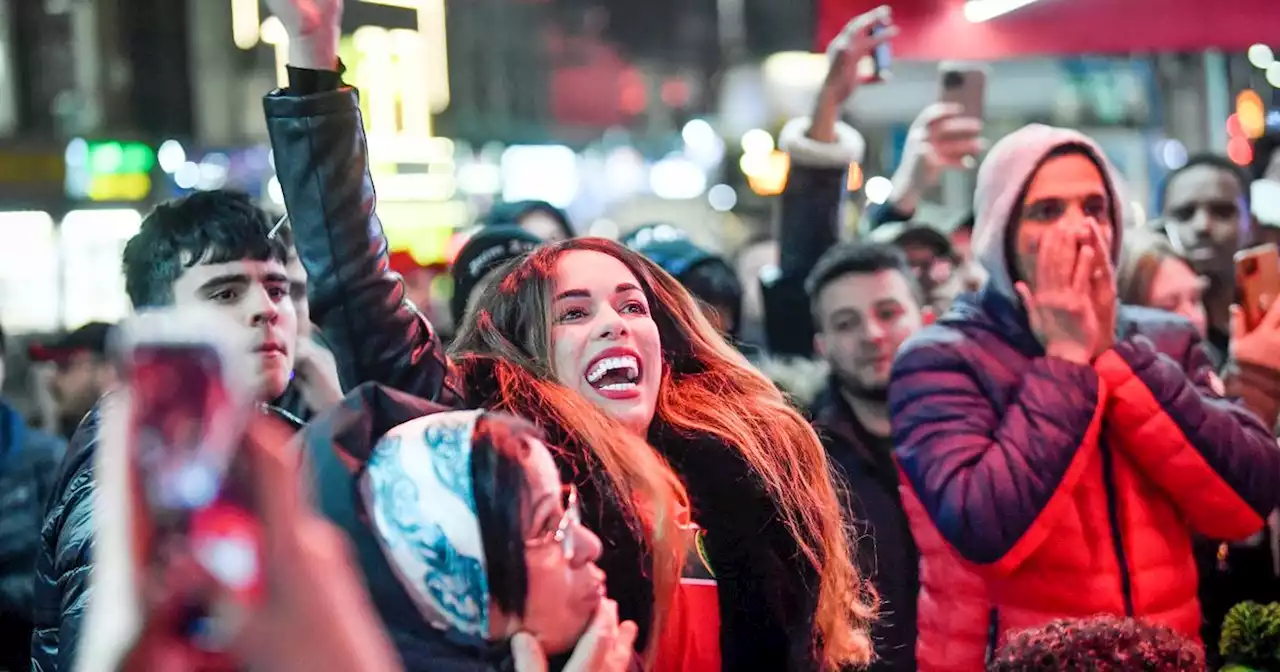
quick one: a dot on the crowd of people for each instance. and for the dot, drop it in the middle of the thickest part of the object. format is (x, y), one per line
(1040, 436)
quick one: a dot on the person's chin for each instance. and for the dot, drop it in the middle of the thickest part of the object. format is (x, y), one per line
(630, 413)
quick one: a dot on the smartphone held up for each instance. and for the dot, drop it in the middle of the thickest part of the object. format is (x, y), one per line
(189, 381)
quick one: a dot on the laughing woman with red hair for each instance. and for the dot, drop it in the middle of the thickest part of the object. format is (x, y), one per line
(661, 423)
(649, 403)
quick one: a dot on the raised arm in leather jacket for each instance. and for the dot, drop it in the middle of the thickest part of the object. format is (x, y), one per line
(356, 300)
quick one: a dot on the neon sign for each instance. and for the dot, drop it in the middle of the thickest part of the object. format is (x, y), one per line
(109, 170)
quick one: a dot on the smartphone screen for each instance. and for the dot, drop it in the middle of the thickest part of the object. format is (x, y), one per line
(177, 395)
(1257, 281)
(185, 432)
(873, 68)
(883, 55)
(964, 85)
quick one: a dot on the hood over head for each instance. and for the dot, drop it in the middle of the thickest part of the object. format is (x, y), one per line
(1002, 180)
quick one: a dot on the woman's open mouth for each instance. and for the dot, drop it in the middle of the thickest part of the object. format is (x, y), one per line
(615, 374)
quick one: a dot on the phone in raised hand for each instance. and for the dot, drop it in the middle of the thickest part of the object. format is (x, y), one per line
(964, 85)
(1257, 282)
(190, 378)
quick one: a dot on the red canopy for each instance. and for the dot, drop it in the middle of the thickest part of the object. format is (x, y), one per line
(937, 29)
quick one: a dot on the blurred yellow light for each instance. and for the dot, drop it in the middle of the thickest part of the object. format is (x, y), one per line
(1250, 114)
(798, 69)
(1248, 99)
(757, 141)
(127, 187)
(244, 23)
(771, 176)
(854, 182)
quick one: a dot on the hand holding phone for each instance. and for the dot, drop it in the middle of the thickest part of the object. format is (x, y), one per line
(1257, 282)
(963, 85)
(188, 377)
(860, 53)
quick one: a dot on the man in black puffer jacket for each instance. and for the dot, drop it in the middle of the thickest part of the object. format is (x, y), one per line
(213, 249)
(28, 463)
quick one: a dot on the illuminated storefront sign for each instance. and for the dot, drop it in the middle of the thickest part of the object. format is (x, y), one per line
(108, 170)
(403, 78)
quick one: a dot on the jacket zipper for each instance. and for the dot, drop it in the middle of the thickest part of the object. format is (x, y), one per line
(993, 635)
(1113, 520)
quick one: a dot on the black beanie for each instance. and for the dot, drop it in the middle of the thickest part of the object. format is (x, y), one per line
(487, 249)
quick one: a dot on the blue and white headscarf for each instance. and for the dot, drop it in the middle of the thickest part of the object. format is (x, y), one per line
(418, 490)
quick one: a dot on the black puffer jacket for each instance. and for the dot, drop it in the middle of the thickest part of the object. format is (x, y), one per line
(28, 465)
(65, 558)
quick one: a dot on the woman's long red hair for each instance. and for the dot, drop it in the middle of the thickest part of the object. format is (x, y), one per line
(708, 389)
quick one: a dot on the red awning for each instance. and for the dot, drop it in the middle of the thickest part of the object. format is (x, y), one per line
(937, 29)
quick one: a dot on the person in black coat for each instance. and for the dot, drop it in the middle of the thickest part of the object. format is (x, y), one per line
(29, 461)
(865, 303)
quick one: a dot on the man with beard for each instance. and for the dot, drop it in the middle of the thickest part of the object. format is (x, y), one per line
(1067, 447)
(865, 303)
(1206, 206)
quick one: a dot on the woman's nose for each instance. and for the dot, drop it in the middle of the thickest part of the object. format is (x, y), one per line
(586, 546)
(610, 325)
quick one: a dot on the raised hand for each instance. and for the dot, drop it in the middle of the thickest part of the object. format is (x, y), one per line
(314, 27)
(1061, 309)
(856, 41)
(939, 139)
(1260, 347)
(1102, 290)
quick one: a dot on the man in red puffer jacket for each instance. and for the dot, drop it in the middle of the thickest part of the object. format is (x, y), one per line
(1060, 448)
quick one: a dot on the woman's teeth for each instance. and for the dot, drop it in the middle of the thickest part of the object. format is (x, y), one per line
(627, 364)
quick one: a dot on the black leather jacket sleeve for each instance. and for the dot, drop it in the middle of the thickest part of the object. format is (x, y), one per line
(322, 163)
(65, 557)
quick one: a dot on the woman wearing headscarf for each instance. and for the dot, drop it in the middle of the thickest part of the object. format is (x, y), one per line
(465, 535)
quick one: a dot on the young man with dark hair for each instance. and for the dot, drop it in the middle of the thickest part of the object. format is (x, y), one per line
(213, 249)
(29, 462)
(865, 302)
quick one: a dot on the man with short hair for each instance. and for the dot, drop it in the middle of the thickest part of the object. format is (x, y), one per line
(1205, 205)
(28, 464)
(83, 372)
(865, 303)
(214, 249)
(1067, 447)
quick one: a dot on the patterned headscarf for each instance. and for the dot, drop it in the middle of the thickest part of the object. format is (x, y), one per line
(418, 490)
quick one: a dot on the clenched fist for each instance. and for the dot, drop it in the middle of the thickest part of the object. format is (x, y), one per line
(314, 27)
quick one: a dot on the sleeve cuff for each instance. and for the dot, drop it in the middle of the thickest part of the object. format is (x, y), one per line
(305, 82)
(849, 147)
